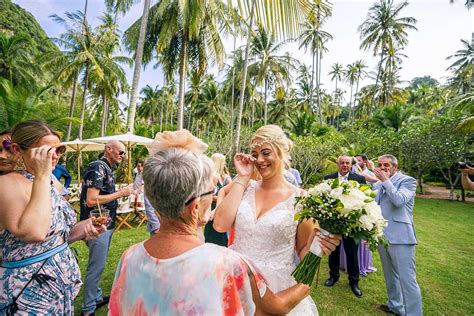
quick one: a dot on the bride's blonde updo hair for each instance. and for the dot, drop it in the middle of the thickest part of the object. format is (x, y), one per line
(275, 137)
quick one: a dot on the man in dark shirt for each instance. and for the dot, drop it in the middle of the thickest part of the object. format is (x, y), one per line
(99, 187)
(344, 164)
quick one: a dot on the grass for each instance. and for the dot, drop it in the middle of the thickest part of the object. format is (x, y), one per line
(445, 265)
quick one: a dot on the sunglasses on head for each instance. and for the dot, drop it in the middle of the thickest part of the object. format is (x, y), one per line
(200, 195)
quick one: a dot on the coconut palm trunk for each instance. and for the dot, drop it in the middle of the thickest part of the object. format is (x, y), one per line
(311, 94)
(232, 97)
(71, 108)
(244, 79)
(319, 88)
(377, 80)
(84, 101)
(138, 65)
(182, 79)
(265, 108)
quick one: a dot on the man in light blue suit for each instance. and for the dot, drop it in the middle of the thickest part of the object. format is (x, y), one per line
(396, 198)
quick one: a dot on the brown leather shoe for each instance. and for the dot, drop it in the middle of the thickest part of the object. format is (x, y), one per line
(384, 308)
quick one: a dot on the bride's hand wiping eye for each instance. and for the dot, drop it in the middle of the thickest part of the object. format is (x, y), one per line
(244, 164)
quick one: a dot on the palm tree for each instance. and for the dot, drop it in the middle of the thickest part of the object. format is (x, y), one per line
(393, 116)
(360, 74)
(209, 107)
(150, 107)
(282, 17)
(269, 68)
(15, 60)
(384, 30)
(114, 81)
(463, 67)
(350, 75)
(314, 39)
(185, 31)
(336, 73)
(304, 93)
(123, 6)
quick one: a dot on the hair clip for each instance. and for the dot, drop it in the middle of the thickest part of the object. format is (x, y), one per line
(6, 144)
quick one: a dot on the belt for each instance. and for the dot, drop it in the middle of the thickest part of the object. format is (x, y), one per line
(34, 259)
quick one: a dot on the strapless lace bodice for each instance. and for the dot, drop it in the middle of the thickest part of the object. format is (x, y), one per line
(270, 242)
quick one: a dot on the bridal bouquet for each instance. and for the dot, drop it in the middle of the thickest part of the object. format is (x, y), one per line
(345, 208)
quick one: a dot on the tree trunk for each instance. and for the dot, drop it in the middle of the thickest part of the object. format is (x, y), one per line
(232, 97)
(320, 56)
(105, 113)
(351, 114)
(311, 86)
(84, 99)
(137, 68)
(71, 108)
(182, 79)
(377, 80)
(357, 90)
(420, 184)
(243, 83)
(265, 108)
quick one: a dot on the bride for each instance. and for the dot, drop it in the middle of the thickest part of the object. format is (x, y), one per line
(262, 213)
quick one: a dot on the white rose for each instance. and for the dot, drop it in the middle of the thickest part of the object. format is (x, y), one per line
(351, 202)
(366, 222)
(323, 187)
(373, 210)
(337, 192)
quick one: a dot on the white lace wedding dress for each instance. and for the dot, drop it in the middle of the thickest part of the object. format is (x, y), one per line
(269, 242)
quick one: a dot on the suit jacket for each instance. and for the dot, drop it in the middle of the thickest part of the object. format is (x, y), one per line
(351, 176)
(396, 198)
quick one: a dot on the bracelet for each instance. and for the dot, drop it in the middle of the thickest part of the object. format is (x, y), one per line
(245, 187)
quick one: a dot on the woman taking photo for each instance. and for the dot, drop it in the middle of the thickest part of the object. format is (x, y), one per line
(38, 273)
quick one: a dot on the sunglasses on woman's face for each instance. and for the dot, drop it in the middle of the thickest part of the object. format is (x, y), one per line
(213, 192)
(60, 150)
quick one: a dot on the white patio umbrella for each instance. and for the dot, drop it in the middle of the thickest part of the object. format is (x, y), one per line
(79, 146)
(129, 140)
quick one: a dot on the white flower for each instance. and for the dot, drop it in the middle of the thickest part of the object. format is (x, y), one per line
(337, 192)
(352, 201)
(299, 207)
(366, 222)
(373, 210)
(323, 187)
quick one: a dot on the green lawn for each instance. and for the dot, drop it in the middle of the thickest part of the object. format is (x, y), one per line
(445, 262)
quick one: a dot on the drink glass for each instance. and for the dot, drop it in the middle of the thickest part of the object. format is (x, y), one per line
(99, 218)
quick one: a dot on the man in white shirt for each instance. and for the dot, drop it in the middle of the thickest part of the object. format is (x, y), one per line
(361, 168)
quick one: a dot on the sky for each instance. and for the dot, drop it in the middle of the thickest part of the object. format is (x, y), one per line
(441, 26)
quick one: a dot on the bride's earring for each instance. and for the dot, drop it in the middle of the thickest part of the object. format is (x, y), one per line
(20, 165)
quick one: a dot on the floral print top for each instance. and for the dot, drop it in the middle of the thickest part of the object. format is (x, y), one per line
(206, 280)
(99, 175)
(56, 295)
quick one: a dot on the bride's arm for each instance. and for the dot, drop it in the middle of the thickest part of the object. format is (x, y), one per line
(226, 211)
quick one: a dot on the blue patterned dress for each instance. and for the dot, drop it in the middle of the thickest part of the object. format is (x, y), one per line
(59, 280)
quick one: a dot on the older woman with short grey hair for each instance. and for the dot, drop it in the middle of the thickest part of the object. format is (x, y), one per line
(174, 272)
